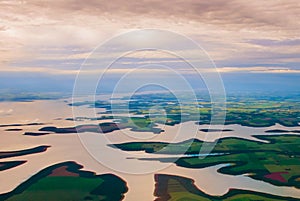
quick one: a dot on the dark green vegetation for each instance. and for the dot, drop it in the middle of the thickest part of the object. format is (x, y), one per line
(140, 124)
(65, 181)
(175, 188)
(36, 133)
(91, 119)
(16, 125)
(276, 162)
(207, 130)
(10, 164)
(13, 129)
(249, 110)
(260, 110)
(107, 127)
(282, 131)
(257, 113)
(101, 128)
(8, 154)
(29, 97)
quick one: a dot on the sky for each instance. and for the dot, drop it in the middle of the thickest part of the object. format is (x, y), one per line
(42, 40)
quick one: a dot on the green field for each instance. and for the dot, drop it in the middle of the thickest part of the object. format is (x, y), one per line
(66, 182)
(251, 110)
(175, 188)
(276, 162)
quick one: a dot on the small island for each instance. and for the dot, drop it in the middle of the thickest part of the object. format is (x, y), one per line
(208, 130)
(10, 164)
(19, 125)
(8, 154)
(282, 131)
(13, 129)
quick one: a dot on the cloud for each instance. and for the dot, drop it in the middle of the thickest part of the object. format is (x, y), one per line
(234, 32)
(257, 69)
(266, 42)
(227, 12)
(4, 113)
(93, 71)
(147, 70)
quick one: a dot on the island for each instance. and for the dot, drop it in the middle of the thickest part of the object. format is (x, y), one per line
(19, 125)
(140, 125)
(171, 187)
(65, 181)
(10, 164)
(208, 130)
(252, 110)
(8, 154)
(276, 162)
(282, 131)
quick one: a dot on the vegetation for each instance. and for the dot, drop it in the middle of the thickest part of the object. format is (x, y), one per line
(19, 125)
(29, 97)
(253, 111)
(8, 154)
(10, 164)
(107, 127)
(175, 188)
(276, 162)
(65, 181)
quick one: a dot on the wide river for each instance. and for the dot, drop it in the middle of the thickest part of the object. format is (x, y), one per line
(90, 150)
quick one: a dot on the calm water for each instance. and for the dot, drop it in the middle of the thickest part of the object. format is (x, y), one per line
(70, 148)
